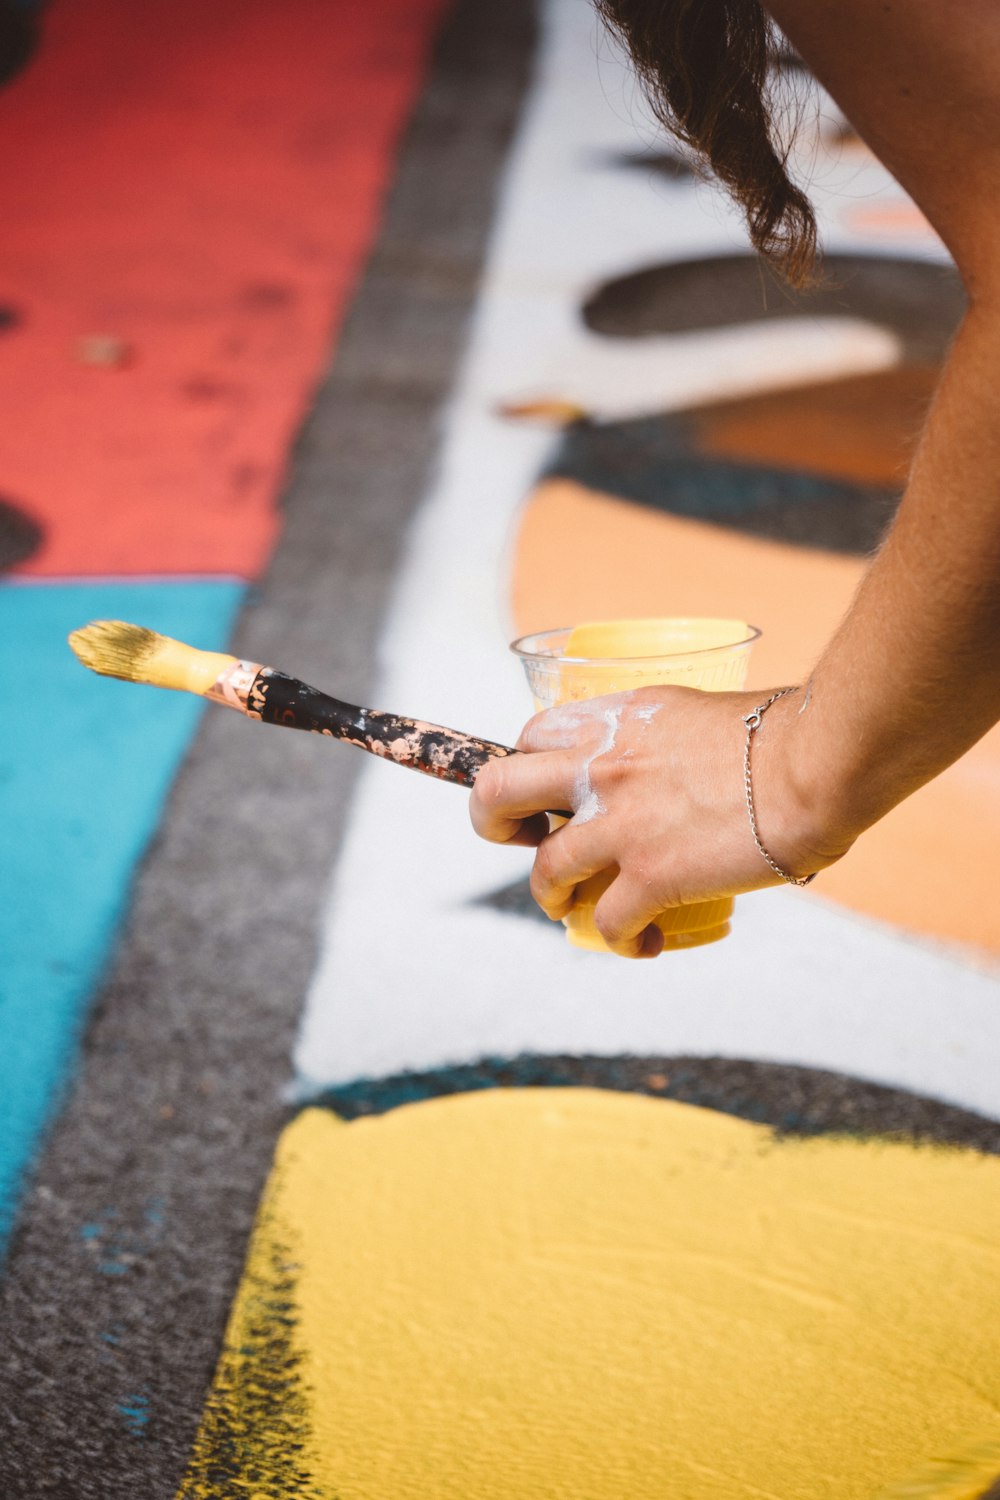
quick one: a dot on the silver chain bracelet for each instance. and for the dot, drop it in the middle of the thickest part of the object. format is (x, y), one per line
(753, 722)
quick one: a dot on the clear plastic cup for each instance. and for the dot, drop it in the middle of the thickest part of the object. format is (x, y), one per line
(614, 656)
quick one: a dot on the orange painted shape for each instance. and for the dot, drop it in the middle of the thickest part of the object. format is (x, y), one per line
(926, 867)
(863, 428)
(897, 216)
(617, 559)
(196, 187)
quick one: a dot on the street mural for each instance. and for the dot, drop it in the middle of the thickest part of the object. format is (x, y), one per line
(361, 341)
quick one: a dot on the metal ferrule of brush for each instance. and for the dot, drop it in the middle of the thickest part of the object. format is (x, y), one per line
(237, 688)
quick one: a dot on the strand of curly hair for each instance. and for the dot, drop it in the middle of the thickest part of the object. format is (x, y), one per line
(704, 66)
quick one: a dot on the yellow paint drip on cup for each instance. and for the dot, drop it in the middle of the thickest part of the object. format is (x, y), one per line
(616, 656)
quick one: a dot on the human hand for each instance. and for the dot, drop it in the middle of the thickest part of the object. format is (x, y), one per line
(655, 781)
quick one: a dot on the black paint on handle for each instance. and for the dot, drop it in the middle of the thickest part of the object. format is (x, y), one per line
(446, 753)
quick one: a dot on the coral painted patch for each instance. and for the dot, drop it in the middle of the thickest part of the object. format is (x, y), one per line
(188, 195)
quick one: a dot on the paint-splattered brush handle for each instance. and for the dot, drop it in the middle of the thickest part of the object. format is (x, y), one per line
(446, 753)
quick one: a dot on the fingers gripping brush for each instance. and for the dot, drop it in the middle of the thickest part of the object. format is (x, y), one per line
(135, 654)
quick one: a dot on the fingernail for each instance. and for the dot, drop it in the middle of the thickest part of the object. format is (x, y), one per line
(652, 942)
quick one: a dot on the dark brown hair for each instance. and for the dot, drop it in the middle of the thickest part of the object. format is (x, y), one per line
(704, 65)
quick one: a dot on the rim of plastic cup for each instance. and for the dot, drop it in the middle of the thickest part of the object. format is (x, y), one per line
(522, 646)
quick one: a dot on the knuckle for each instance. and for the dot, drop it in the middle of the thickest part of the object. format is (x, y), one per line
(607, 772)
(529, 736)
(543, 895)
(492, 784)
(547, 888)
(544, 869)
(538, 885)
(625, 947)
(608, 925)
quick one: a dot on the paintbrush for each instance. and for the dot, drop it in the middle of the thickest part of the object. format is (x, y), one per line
(135, 654)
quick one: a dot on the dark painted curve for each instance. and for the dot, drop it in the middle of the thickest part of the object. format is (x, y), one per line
(645, 461)
(831, 473)
(793, 1100)
(20, 536)
(673, 165)
(19, 37)
(516, 900)
(921, 302)
(132, 1238)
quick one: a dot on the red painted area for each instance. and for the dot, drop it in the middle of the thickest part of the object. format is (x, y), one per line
(199, 181)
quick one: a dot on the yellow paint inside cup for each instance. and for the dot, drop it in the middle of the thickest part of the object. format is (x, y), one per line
(614, 656)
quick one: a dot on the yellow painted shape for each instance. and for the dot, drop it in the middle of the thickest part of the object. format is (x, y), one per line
(553, 1293)
(931, 865)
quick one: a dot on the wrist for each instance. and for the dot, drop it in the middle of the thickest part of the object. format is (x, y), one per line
(799, 804)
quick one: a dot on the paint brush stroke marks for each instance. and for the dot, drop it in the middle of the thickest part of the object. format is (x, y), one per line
(538, 1292)
(257, 1431)
(85, 765)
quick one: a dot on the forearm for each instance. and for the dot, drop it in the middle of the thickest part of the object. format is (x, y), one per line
(912, 677)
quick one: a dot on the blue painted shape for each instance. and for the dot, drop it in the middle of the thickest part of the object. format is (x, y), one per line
(85, 766)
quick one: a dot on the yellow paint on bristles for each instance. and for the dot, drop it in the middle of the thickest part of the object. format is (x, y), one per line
(116, 649)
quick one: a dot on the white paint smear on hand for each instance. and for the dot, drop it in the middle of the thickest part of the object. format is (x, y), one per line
(564, 723)
(588, 803)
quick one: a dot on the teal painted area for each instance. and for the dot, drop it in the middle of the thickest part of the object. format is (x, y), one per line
(85, 765)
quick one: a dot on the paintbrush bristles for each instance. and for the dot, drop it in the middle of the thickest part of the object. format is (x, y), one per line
(115, 648)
